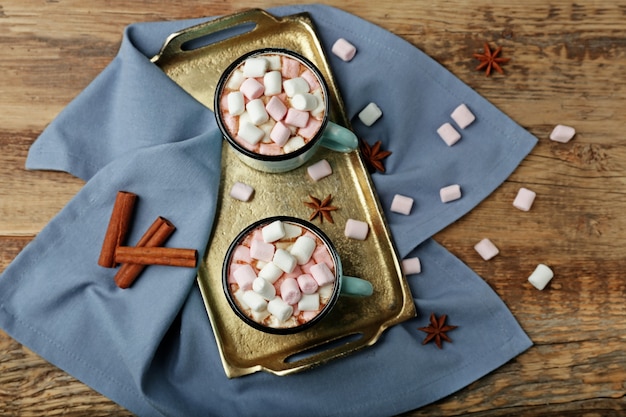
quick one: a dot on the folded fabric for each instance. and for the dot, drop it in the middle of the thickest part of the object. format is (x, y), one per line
(151, 348)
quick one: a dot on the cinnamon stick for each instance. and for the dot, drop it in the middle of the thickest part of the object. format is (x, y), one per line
(186, 258)
(155, 236)
(119, 225)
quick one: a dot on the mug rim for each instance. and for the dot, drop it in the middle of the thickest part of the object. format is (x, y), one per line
(281, 330)
(227, 135)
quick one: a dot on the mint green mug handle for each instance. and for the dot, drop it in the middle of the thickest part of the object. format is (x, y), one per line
(356, 287)
(338, 138)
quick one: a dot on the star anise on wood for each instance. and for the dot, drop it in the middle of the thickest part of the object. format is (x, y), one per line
(321, 208)
(437, 330)
(374, 156)
(490, 60)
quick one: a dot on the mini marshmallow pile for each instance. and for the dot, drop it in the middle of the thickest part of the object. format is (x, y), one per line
(272, 104)
(281, 275)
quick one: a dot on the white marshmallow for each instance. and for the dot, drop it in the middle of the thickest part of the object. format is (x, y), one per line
(411, 266)
(321, 105)
(463, 116)
(240, 191)
(402, 204)
(280, 309)
(541, 276)
(235, 80)
(524, 199)
(273, 82)
(256, 111)
(250, 133)
(273, 231)
(304, 101)
(292, 230)
(284, 260)
(449, 134)
(450, 193)
(343, 49)
(303, 249)
(356, 229)
(486, 249)
(309, 302)
(270, 272)
(273, 62)
(319, 170)
(264, 288)
(290, 291)
(295, 86)
(322, 274)
(562, 133)
(370, 114)
(255, 67)
(236, 103)
(255, 301)
(293, 144)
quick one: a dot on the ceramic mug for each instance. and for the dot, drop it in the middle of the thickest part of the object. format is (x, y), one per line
(235, 92)
(280, 310)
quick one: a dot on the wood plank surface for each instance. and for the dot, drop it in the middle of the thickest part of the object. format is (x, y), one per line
(568, 67)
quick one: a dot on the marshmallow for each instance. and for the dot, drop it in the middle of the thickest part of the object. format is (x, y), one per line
(280, 309)
(562, 133)
(463, 116)
(311, 128)
(280, 134)
(319, 170)
(250, 133)
(290, 68)
(273, 231)
(256, 111)
(310, 78)
(321, 254)
(293, 144)
(486, 249)
(524, 199)
(264, 288)
(449, 134)
(241, 253)
(297, 118)
(303, 249)
(321, 105)
(270, 272)
(370, 114)
(450, 193)
(284, 260)
(255, 301)
(290, 291)
(241, 191)
(235, 80)
(291, 230)
(244, 276)
(236, 103)
(273, 83)
(356, 229)
(251, 88)
(295, 86)
(309, 302)
(322, 274)
(401, 204)
(276, 108)
(255, 67)
(343, 49)
(304, 101)
(261, 250)
(411, 266)
(541, 276)
(307, 284)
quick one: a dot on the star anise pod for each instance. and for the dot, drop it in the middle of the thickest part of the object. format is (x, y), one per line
(374, 156)
(437, 330)
(322, 209)
(490, 60)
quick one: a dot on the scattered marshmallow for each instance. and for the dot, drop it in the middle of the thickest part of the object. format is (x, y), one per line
(524, 199)
(402, 204)
(356, 229)
(273, 231)
(411, 266)
(303, 249)
(463, 116)
(280, 309)
(344, 49)
(370, 114)
(449, 134)
(284, 260)
(450, 193)
(264, 288)
(541, 276)
(319, 170)
(309, 302)
(562, 133)
(486, 249)
(242, 192)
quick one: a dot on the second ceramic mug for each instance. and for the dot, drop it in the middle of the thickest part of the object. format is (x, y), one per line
(272, 107)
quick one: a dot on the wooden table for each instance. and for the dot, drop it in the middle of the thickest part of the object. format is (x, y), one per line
(568, 67)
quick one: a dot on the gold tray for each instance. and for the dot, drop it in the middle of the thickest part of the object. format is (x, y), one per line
(354, 323)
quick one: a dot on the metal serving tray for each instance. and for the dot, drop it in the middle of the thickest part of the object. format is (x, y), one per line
(195, 58)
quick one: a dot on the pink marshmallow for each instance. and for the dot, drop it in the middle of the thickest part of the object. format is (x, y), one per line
(262, 251)
(356, 229)
(311, 79)
(290, 68)
(307, 284)
(322, 274)
(486, 249)
(319, 170)
(241, 191)
(524, 199)
(252, 89)
(270, 149)
(242, 254)
(312, 127)
(343, 49)
(245, 276)
(562, 133)
(297, 118)
(449, 134)
(463, 116)
(411, 266)
(321, 255)
(280, 134)
(276, 108)
(401, 204)
(450, 193)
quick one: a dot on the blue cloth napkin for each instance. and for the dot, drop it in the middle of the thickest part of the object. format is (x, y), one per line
(150, 348)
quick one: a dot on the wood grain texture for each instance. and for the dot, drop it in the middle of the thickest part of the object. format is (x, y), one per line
(567, 66)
